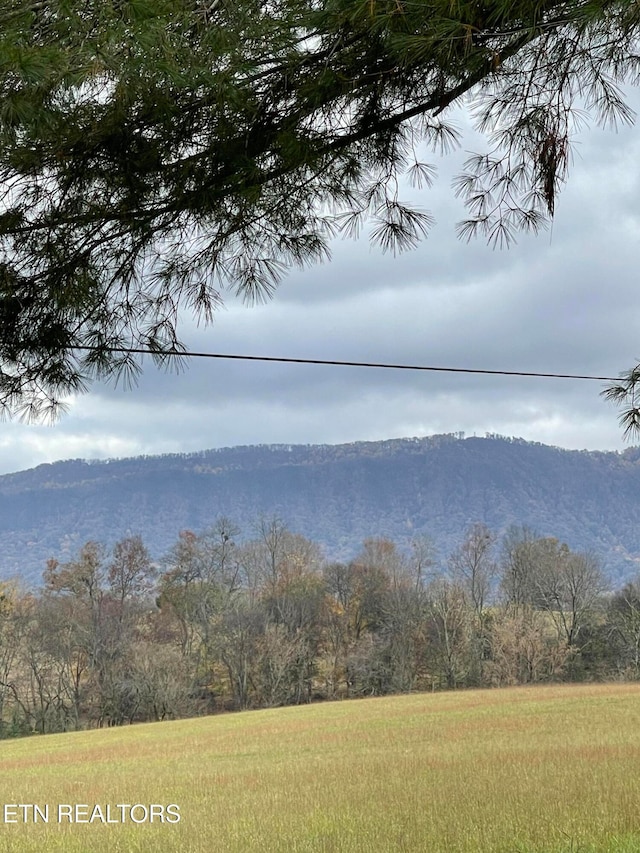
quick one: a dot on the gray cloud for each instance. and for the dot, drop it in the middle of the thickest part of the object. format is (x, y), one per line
(564, 301)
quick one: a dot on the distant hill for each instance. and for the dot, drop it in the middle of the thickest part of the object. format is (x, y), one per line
(336, 495)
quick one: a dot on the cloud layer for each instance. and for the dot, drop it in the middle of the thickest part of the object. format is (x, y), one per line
(565, 301)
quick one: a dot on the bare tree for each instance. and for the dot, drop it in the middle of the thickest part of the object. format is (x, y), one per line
(522, 650)
(624, 627)
(473, 567)
(450, 630)
(518, 566)
(131, 573)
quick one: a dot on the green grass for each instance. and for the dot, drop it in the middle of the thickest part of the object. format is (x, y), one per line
(552, 769)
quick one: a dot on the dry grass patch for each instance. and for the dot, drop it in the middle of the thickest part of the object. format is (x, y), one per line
(551, 769)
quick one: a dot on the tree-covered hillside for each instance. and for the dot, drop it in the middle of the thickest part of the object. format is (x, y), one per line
(334, 495)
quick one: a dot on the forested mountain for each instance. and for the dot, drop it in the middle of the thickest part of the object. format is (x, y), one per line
(335, 495)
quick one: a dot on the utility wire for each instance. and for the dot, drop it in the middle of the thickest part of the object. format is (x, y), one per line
(187, 354)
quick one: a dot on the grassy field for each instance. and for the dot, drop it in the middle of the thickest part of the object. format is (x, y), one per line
(518, 770)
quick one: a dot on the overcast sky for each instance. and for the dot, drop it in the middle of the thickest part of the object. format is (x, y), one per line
(566, 301)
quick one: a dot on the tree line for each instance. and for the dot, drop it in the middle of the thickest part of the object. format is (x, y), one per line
(112, 638)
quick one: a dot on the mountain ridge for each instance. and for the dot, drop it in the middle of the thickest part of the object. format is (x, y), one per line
(335, 494)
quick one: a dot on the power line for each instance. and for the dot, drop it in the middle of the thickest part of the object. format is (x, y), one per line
(333, 362)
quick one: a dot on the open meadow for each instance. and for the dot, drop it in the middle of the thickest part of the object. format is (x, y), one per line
(553, 768)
